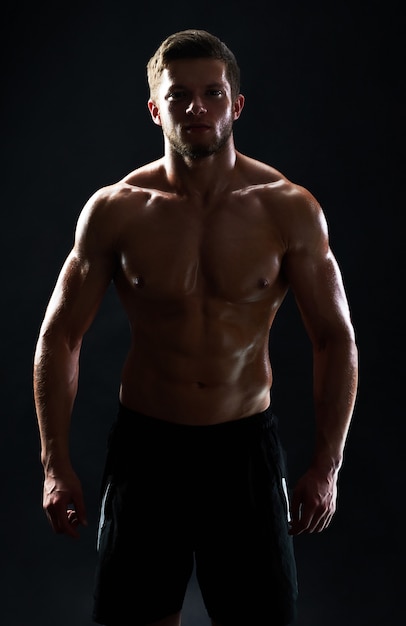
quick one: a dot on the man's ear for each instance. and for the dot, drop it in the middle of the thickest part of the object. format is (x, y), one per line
(153, 109)
(238, 106)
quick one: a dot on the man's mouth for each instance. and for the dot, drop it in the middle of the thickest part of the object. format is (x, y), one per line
(197, 128)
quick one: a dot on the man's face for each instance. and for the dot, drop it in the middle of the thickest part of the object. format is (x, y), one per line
(194, 107)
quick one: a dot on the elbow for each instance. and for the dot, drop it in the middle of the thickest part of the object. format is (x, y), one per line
(52, 341)
(342, 340)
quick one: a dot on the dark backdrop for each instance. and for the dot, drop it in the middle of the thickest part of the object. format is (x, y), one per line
(322, 84)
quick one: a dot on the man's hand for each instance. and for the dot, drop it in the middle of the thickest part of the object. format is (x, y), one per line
(63, 503)
(313, 502)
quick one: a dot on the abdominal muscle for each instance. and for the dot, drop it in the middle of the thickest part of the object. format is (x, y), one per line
(214, 376)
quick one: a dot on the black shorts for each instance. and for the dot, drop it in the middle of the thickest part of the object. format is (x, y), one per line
(174, 495)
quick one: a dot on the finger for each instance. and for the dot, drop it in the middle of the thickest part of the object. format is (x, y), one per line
(325, 523)
(72, 517)
(318, 524)
(53, 520)
(80, 512)
(71, 523)
(63, 522)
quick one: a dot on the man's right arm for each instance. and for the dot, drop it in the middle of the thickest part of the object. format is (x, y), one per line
(75, 300)
(56, 365)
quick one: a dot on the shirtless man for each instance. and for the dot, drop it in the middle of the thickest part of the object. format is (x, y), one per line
(202, 246)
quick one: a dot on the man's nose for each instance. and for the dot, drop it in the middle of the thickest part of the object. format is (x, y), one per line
(196, 107)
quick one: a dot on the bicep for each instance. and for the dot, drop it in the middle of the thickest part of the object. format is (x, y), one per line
(312, 271)
(77, 295)
(85, 275)
(317, 284)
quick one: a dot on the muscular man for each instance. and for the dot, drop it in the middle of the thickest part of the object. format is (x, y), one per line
(202, 246)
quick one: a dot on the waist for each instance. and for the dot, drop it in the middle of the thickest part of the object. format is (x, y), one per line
(129, 418)
(194, 404)
(194, 395)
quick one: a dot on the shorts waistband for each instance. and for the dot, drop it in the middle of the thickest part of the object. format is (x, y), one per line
(258, 421)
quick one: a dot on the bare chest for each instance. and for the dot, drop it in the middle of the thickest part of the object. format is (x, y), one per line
(231, 252)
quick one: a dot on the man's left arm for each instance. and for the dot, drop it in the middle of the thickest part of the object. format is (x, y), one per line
(317, 284)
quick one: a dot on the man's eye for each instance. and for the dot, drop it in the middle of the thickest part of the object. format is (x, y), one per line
(215, 92)
(175, 95)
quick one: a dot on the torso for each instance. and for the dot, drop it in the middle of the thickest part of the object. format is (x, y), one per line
(201, 283)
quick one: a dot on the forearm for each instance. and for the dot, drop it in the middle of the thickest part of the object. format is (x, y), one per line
(335, 375)
(56, 367)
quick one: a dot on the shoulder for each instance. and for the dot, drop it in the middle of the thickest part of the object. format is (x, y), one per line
(301, 219)
(267, 180)
(287, 201)
(134, 190)
(112, 197)
(290, 208)
(299, 204)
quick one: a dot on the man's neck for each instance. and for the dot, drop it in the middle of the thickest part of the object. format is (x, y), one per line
(202, 176)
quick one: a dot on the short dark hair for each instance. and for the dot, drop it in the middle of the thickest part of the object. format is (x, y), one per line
(192, 44)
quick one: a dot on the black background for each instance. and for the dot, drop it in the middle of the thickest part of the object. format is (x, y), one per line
(322, 83)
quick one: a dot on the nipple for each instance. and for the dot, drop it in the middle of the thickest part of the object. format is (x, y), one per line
(263, 282)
